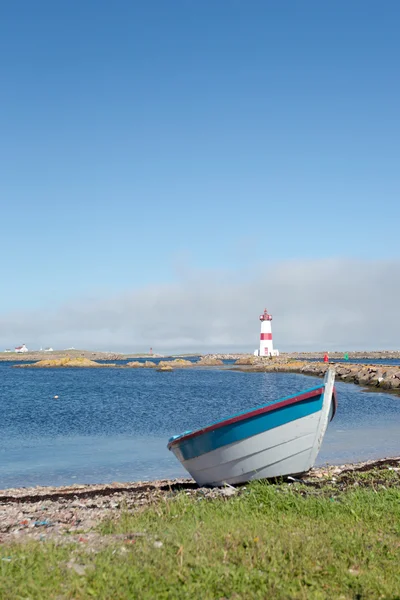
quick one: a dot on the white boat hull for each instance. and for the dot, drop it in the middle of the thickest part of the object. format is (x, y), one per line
(288, 449)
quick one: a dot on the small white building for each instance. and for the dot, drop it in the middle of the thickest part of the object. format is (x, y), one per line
(48, 350)
(22, 348)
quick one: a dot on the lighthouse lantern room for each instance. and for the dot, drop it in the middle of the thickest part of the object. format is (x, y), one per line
(266, 345)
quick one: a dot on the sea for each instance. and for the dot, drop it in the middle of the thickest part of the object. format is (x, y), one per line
(68, 426)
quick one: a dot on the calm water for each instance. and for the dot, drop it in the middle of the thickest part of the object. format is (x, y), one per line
(114, 424)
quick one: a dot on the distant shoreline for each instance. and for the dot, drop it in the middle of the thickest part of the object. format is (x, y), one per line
(91, 354)
(112, 356)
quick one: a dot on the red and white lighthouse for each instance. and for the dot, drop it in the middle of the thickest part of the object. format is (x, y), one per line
(266, 345)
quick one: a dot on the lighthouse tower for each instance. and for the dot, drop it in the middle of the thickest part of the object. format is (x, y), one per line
(266, 346)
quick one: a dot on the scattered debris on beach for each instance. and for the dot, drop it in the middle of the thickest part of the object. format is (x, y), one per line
(71, 514)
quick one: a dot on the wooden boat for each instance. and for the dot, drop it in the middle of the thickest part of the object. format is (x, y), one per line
(274, 440)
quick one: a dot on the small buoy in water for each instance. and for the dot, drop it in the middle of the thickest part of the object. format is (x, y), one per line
(55, 397)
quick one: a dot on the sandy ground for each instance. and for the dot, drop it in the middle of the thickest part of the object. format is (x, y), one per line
(71, 514)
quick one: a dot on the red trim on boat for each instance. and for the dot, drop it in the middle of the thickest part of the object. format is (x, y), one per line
(253, 413)
(266, 336)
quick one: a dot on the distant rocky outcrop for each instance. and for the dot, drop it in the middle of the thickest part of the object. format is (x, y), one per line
(148, 364)
(177, 362)
(135, 364)
(66, 361)
(209, 361)
(168, 364)
(164, 369)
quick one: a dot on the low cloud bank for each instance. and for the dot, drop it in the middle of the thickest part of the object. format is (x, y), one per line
(316, 305)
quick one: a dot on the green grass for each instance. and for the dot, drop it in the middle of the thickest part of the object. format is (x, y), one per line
(269, 541)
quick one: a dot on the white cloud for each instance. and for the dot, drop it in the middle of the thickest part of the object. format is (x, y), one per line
(316, 305)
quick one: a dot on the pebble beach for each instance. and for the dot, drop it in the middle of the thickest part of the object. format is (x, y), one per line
(71, 514)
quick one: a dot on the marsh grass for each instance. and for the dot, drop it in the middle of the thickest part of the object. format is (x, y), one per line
(333, 540)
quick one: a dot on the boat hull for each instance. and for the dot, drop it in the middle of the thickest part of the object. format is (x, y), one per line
(284, 450)
(274, 441)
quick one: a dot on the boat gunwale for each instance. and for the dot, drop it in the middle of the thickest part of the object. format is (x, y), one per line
(298, 398)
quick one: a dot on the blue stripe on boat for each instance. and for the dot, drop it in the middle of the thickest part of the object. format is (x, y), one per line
(243, 412)
(235, 432)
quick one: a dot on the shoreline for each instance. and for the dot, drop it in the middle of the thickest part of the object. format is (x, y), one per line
(110, 356)
(48, 492)
(382, 378)
(330, 534)
(68, 514)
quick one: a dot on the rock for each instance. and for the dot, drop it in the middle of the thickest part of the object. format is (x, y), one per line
(228, 491)
(386, 384)
(79, 569)
(67, 361)
(135, 364)
(177, 362)
(348, 378)
(247, 360)
(206, 361)
(181, 362)
(164, 369)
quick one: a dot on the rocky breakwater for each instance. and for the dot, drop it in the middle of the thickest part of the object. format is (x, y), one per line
(353, 355)
(383, 377)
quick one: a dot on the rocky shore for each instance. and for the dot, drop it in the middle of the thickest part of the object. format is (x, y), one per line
(71, 514)
(330, 534)
(378, 376)
(356, 355)
(82, 362)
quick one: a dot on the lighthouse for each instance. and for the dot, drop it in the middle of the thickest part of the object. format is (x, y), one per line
(266, 345)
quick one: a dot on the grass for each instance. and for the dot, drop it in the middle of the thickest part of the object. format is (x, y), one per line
(339, 540)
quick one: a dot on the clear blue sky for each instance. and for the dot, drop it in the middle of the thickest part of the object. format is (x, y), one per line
(136, 136)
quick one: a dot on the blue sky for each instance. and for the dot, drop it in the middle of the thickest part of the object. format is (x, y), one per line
(143, 140)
